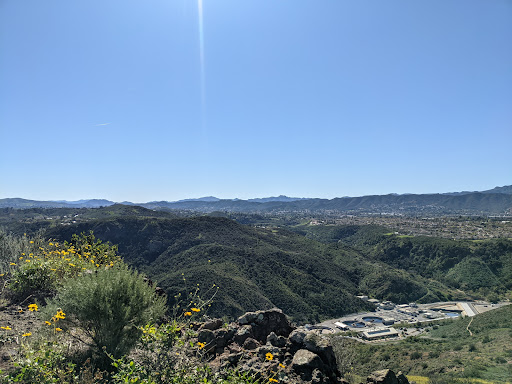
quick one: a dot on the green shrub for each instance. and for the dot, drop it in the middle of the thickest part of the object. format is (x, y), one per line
(42, 270)
(109, 306)
(12, 247)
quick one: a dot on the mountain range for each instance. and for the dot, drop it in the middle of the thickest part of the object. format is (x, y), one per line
(496, 201)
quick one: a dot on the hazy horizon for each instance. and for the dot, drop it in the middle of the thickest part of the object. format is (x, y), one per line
(234, 198)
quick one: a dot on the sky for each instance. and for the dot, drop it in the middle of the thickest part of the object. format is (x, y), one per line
(142, 100)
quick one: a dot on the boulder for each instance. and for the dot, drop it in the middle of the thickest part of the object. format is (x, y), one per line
(264, 322)
(305, 360)
(385, 376)
(322, 347)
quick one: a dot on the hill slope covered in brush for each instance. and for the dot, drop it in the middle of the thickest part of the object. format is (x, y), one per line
(255, 268)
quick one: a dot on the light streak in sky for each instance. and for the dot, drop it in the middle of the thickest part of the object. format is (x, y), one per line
(201, 60)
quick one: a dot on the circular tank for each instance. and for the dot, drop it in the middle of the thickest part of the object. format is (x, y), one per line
(355, 324)
(372, 319)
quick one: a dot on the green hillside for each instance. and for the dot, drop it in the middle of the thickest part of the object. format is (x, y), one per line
(480, 268)
(255, 268)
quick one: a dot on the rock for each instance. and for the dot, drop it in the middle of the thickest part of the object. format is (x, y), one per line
(385, 376)
(250, 344)
(265, 341)
(242, 334)
(306, 360)
(212, 325)
(205, 336)
(264, 322)
(322, 347)
(401, 378)
(276, 341)
(297, 336)
(223, 336)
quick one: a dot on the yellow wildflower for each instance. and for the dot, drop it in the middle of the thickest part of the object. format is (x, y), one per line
(47, 323)
(201, 345)
(27, 334)
(269, 356)
(272, 380)
(187, 314)
(6, 328)
(60, 315)
(282, 365)
(73, 265)
(195, 310)
(12, 263)
(31, 242)
(32, 308)
(58, 329)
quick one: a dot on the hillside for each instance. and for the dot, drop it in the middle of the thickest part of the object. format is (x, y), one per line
(254, 268)
(481, 268)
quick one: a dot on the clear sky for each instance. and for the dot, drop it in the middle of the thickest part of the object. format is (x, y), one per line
(146, 100)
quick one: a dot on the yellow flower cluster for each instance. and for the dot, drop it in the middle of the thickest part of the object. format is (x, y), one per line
(59, 315)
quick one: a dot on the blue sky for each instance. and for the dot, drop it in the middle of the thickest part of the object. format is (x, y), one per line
(119, 99)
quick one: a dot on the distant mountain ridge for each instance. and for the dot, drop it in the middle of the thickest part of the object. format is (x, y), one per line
(496, 201)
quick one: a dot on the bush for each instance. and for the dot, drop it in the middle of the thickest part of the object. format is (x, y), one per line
(48, 265)
(12, 247)
(109, 306)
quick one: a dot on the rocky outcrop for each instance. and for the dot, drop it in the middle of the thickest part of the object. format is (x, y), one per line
(266, 345)
(386, 376)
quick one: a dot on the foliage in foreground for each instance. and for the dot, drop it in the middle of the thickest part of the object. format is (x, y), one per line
(109, 306)
(100, 327)
(44, 269)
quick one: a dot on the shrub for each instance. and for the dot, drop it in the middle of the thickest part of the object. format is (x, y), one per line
(12, 247)
(109, 306)
(46, 267)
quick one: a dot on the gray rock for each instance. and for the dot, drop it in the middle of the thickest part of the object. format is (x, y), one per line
(242, 334)
(322, 347)
(385, 376)
(305, 360)
(297, 336)
(264, 322)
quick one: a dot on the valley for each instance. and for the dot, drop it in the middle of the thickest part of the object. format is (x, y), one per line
(389, 291)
